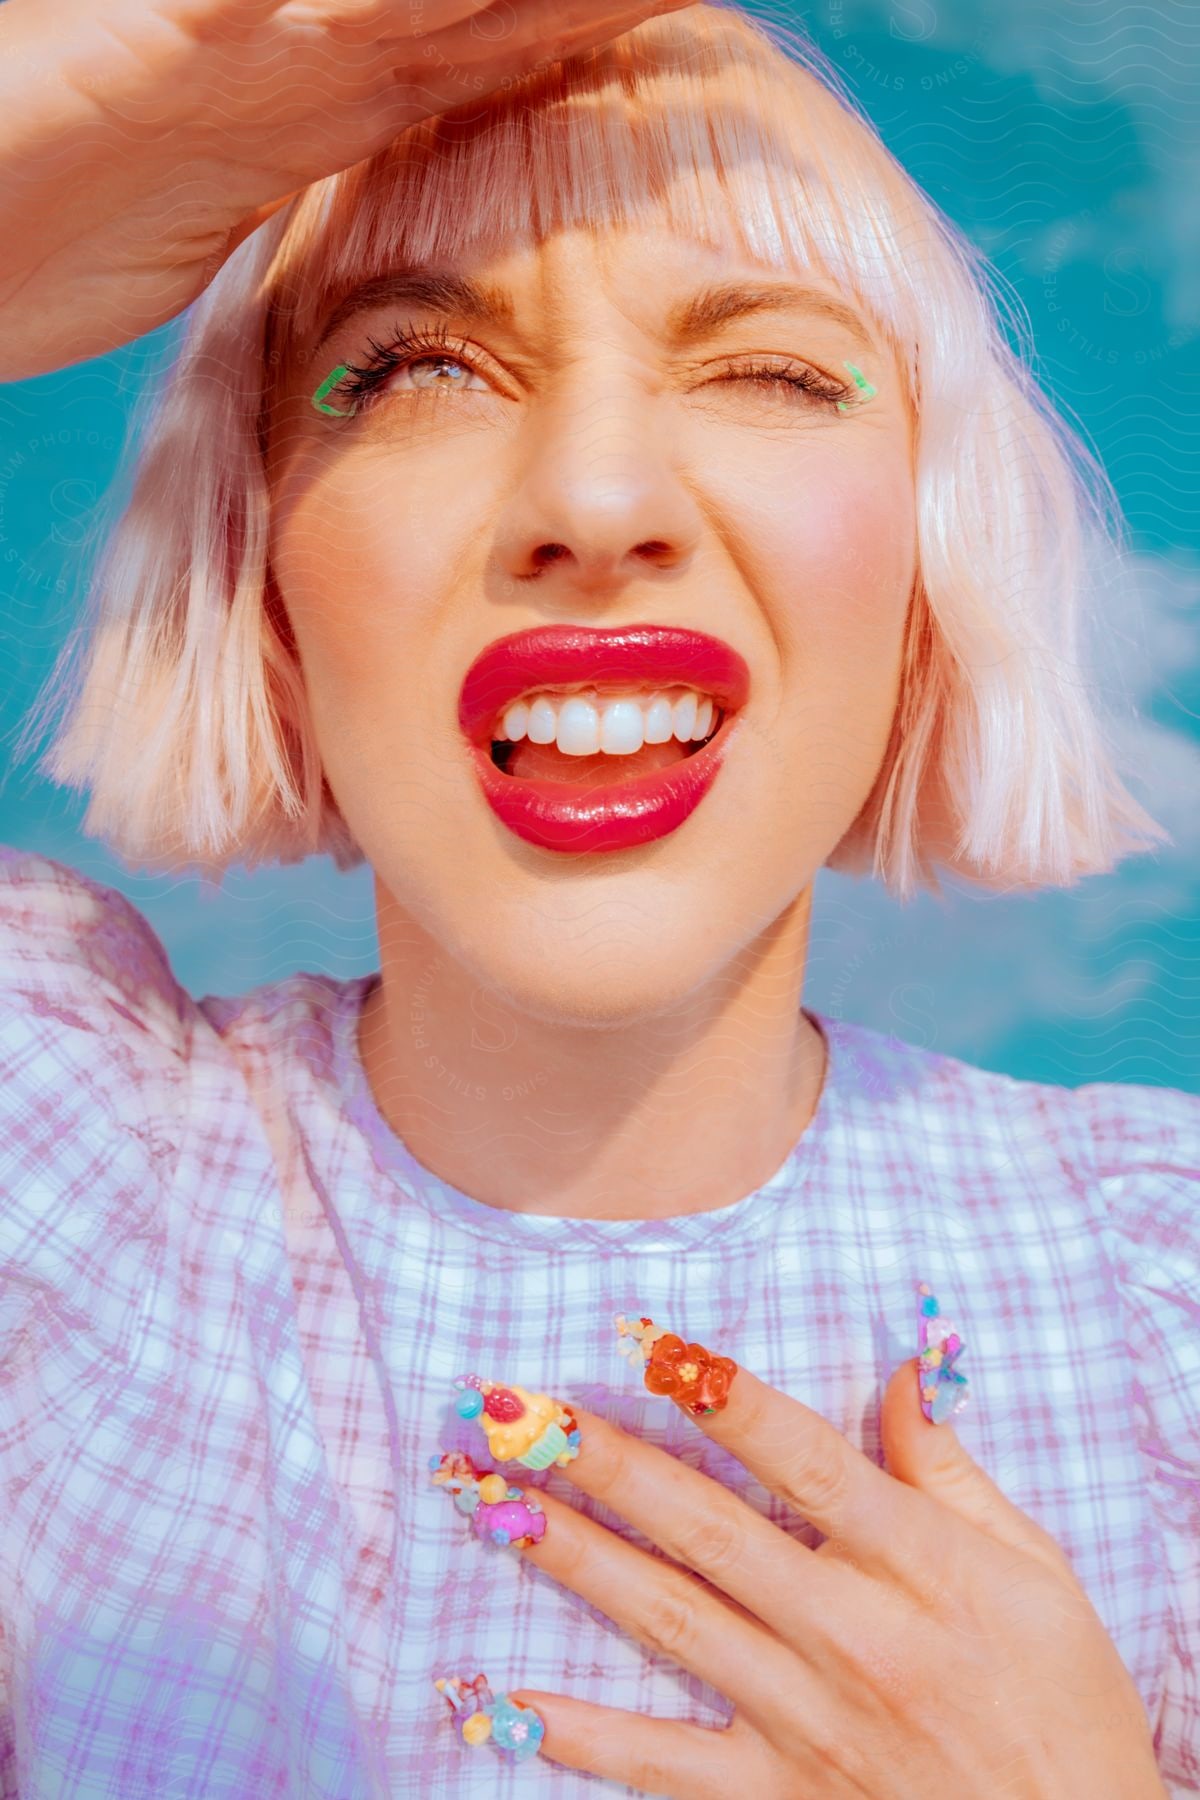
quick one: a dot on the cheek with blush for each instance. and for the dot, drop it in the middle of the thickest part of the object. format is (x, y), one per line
(853, 546)
(365, 570)
(845, 562)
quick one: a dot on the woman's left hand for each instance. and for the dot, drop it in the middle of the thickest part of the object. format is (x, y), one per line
(937, 1641)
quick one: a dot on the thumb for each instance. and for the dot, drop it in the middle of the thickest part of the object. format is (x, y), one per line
(253, 220)
(918, 1452)
(934, 1459)
(240, 232)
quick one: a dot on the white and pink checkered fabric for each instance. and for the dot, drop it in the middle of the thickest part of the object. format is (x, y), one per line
(233, 1304)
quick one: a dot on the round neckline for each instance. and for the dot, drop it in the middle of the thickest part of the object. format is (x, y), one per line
(393, 1158)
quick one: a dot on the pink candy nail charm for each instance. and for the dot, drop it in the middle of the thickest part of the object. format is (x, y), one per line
(499, 1513)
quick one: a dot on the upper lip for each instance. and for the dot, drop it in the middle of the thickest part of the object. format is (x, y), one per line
(562, 655)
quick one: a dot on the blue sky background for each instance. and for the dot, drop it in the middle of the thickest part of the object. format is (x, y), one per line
(1065, 139)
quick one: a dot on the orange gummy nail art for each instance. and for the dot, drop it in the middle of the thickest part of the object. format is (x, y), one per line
(692, 1376)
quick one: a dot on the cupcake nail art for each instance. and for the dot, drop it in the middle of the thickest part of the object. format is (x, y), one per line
(943, 1390)
(521, 1426)
(499, 1513)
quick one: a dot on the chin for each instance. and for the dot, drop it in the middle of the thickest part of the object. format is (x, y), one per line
(602, 988)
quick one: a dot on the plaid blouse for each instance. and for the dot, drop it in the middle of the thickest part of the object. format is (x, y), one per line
(232, 1306)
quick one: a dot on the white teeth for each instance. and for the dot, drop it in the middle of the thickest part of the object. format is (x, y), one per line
(578, 728)
(617, 724)
(543, 722)
(515, 723)
(685, 717)
(622, 727)
(658, 720)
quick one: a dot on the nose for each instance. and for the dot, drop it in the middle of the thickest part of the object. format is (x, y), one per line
(600, 503)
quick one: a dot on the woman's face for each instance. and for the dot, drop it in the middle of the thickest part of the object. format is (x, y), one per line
(595, 467)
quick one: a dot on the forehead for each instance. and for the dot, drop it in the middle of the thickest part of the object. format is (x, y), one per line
(769, 215)
(655, 274)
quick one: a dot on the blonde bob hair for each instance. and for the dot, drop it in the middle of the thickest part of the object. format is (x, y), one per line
(187, 706)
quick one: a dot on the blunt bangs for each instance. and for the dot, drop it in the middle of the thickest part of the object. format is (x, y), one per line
(677, 124)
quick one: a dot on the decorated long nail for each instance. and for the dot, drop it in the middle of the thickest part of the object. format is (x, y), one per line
(689, 1374)
(480, 1717)
(499, 1513)
(944, 1391)
(521, 1426)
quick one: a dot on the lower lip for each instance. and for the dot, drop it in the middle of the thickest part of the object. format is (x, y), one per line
(556, 816)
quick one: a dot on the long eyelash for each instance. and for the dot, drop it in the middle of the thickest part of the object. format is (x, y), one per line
(807, 380)
(361, 380)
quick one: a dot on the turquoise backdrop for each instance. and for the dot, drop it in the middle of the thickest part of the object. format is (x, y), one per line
(1065, 139)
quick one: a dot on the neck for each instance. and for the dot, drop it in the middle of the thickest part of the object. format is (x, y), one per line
(682, 1112)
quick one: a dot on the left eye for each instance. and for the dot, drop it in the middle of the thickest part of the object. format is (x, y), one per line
(435, 366)
(431, 362)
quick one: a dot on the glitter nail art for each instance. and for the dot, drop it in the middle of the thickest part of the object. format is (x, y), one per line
(943, 1390)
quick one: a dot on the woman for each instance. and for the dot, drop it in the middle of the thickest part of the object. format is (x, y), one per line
(557, 391)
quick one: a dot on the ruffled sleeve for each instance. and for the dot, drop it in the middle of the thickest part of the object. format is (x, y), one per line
(93, 1056)
(1146, 1147)
(93, 1038)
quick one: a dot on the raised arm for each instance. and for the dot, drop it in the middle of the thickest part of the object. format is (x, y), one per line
(142, 140)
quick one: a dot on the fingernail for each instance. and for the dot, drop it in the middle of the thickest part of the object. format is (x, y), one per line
(521, 1426)
(480, 1717)
(943, 1390)
(696, 1379)
(499, 1513)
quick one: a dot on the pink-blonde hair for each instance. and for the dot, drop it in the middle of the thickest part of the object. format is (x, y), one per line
(188, 715)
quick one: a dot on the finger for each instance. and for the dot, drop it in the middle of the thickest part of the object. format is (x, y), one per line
(253, 220)
(804, 1459)
(654, 1756)
(514, 42)
(589, 34)
(668, 1610)
(934, 1459)
(797, 1454)
(393, 21)
(700, 1524)
(205, 16)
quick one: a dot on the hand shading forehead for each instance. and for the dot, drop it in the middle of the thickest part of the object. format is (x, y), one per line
(695, 127)
(386, 242)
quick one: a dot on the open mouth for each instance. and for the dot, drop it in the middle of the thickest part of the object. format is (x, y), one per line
(585, 739)
(589, 738)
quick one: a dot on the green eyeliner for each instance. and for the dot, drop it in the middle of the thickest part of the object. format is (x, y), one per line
(860, 381)
(331, 381)
(335, 375)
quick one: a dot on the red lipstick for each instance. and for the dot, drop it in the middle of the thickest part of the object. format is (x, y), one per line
(632, 810)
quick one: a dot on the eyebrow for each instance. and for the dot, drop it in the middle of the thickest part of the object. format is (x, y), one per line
(427, 290)
(453, 295)
(713, 307)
